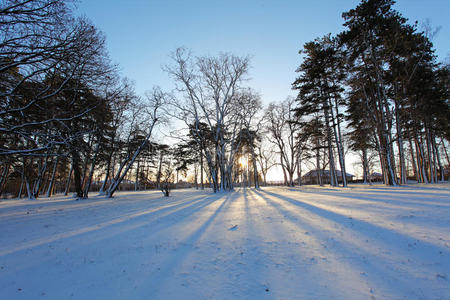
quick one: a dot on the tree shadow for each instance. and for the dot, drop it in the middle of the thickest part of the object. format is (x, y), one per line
(355, 224)
(360, 241)
(172, 263)
(134, 220)
(434, 199)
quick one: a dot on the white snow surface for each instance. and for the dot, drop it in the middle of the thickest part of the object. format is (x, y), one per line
(361, 242)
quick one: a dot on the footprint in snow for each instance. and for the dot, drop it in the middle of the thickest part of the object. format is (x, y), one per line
(233, 228)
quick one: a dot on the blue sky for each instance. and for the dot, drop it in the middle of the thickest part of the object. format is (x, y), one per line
(141, 34)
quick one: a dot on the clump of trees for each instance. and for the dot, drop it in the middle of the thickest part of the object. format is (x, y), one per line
(279, 123)
(64, 110)
(216, 109)
(383, 72)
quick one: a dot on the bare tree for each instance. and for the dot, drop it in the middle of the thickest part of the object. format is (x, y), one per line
(265, 156)
(155, 100)
(123, 95)
(283, 130)
(206, 88)
(44, 52)
(248, 105)
(53, 69)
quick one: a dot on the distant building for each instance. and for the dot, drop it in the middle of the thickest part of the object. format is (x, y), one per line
(183, 184)
(312, 177)
(376, 176)
(446, 173)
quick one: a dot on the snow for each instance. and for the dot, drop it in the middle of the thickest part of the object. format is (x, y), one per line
(361, 242)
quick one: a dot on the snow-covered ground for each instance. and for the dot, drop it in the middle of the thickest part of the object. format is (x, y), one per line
(360, 242)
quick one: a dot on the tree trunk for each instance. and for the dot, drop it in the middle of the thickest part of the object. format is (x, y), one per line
(340, 147)
(283, 167)
(413, 160)
(38, 181)
(338, 138)
(383, 119)
(299, 167)
(28, 186)
(195, 176)
(77, 173)
(387, 156)
(136, 182)
(105, 180)
(255, 169)
(201, 171)
(119, 177)
(52, 180)
(438, 157)
(86, 163)
(22, 180)
(4, 177)
(401, 152)
(158, 176)
(429, 156)
(445, 151)
(69, 177)
(333, 177)
(319, 171)
(421, 161)
(365, 165)
(87, 187)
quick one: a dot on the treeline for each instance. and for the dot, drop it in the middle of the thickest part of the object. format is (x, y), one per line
(65, 111)
(70, 123)
(380, 77)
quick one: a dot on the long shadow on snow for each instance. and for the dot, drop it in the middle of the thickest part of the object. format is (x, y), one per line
(68, 203)
(133, 206)
(358, 225)
(153, 213)
(417, 186)
(302, 261)
(178, 211)
(343, 246)
(260, 252)
(85, 239)
(42, 208)
(413, 189)
(175, 260)
(393, 200)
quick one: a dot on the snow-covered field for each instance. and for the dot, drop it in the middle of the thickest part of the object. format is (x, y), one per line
(275, 243)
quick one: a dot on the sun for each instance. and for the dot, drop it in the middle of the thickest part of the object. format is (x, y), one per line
(242, 162)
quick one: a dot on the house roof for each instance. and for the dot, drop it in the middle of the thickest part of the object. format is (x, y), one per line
(326, 173)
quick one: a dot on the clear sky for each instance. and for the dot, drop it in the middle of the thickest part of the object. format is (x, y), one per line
(141, 34)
